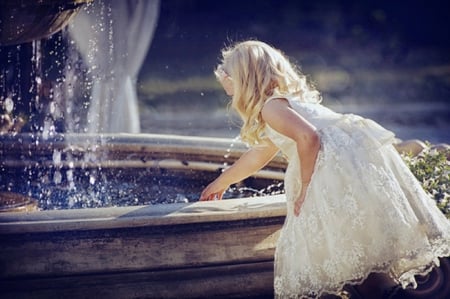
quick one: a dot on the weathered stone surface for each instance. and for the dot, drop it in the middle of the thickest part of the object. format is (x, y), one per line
(226, 247)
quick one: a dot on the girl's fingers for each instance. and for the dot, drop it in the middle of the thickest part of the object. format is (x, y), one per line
(204, 196)
(211, 193)
(213, 196)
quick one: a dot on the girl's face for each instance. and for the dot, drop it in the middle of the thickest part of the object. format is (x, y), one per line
(225, 80)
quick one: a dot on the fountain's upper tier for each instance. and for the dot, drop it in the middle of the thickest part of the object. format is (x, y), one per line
(27, 20)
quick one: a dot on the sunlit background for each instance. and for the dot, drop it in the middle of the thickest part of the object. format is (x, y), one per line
(147, 66)
(387, 60)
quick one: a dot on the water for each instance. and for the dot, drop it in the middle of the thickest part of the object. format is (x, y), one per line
(113, 38)
(62, 186)
(80, 80)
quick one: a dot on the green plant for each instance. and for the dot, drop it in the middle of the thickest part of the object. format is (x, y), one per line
(432, 168)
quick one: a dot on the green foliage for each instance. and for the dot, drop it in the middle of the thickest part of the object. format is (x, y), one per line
(432, 169)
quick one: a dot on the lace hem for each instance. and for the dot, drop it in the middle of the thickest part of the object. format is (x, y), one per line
(405, 280)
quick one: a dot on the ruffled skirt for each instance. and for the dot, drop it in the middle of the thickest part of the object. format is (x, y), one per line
(364, 212)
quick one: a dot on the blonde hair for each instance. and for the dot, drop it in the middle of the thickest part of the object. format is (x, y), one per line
(260, 72)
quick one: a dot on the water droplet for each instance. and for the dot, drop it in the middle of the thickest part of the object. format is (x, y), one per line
(56, 157)
(8, 105)
(57, 177)
(180, 198)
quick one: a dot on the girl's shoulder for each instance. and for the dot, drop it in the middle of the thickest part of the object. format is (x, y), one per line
(294, 101)
(290, 97)
(314, 112)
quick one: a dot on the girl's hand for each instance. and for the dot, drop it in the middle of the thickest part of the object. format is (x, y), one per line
(213, 191)
(250, 162)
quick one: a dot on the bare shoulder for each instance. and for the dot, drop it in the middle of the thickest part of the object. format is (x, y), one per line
(276, 113)
(276, 101)
(273, 107)
(281, 117)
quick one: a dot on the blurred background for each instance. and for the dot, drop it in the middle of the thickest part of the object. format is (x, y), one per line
(147, 65)
(386, 60)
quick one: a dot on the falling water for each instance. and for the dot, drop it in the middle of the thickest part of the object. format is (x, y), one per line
(82, 80)
(113, 38)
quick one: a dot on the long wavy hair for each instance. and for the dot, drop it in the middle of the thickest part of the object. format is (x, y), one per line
(260, 72)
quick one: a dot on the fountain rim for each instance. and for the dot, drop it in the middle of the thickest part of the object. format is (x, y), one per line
(139, 216)
(270, 206)
(132, 150)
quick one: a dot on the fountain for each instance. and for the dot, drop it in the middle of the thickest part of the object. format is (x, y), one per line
(142, 250)
(107, 221)
(88, 210)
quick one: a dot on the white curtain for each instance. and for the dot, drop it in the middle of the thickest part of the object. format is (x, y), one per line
(113, 37)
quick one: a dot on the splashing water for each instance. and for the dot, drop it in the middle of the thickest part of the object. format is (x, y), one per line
(76, 81)
(82, 80)
(113, 38)
(62, 185)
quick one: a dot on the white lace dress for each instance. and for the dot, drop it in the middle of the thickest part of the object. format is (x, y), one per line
(364, 211)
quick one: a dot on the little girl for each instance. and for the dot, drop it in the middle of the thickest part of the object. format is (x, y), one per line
(353, 206)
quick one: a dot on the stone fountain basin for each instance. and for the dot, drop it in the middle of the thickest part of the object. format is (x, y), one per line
(189, 250)
(193, 250)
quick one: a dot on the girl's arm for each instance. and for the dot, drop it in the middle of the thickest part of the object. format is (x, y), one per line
(281, 117)
(249, 163)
